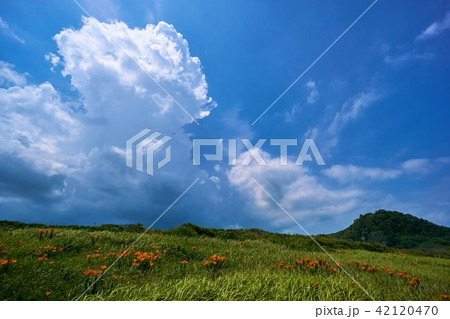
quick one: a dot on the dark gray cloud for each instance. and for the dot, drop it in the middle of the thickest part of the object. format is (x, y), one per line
(19, 179)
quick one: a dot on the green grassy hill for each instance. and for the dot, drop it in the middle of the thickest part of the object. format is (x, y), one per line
(38, 262)
(398, 230)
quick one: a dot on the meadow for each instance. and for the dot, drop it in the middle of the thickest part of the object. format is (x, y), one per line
(61, 264)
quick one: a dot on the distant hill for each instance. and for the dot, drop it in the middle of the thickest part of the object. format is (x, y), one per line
(395, 229)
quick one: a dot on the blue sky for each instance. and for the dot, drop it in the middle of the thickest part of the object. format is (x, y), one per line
(376, 106)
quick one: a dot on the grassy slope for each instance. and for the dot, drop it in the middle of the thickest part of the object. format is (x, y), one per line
(250, 272)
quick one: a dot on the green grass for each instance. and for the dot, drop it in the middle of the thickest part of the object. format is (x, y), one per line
(249, 273)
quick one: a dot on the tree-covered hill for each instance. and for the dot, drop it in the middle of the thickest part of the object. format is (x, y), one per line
(395, 229)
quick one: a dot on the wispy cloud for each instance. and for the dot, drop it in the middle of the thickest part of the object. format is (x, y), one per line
(416, 52)
(345, 173)
(349, 173)
(417, 165)
(424, 165)
(406, 57)
(334, 122)
(435, 28)
(291, 114)
(313, 94)
(352, 109)
(6, 30)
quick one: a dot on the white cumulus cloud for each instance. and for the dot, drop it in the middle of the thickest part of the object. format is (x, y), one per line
(296, 189)
(8, 76)
(81, 151)
(110, 80)
(36, 125)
